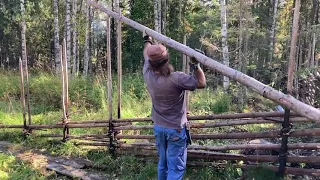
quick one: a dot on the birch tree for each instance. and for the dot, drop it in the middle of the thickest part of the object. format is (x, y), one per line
(86, 45)
(273, 29)
(224, 33)
(74, 37)
(157, 15)
(163, 16)
(56, 36)
(23, 34)
(68, 35)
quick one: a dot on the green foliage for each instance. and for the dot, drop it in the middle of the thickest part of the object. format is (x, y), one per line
(210, 101)
(261, 173)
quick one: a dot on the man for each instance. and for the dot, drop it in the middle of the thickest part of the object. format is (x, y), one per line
(166, 89)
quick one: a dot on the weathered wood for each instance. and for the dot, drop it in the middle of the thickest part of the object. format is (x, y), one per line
(209, 155)
(73, 172)
(109, 73)
(291, 70)
(264, 90)
(53, 126)
(288, 170)
(83, 136)
(63, 94)
(202, 117)
(270, 134)
(22, 97)
(99, 122)
(215, 124)
(91, 144)
(119, 58)
(306, 146)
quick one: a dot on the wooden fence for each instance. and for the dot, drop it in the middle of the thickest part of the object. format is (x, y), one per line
(120, 131)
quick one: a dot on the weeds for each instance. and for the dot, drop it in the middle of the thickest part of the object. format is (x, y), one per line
(88, 100)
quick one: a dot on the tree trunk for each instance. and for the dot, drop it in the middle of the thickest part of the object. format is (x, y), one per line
(75, 37)
(25, 57)
(163, 16)
(157, 24)
(272, 31)
(294, 36)
(91, 40)
(224, 34)
(242, 91)
(68, 35)
(86, 45)
(56, 36)
(23, 35)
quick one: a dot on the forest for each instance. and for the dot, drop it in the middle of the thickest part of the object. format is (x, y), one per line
(252, 36)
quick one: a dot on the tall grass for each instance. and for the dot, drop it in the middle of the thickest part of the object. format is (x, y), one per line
(88, 101)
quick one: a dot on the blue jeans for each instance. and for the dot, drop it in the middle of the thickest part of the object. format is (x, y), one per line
(172, 152)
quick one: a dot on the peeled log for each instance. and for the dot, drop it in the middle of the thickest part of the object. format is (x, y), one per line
(264, 90)
(270, 134)
(215, 124)
(306, 146)
(208, 155)
(191, 118)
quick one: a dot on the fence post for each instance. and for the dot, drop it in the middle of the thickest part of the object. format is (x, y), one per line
(22, 96)
(64, 79)
(111, 133)
(119, 58)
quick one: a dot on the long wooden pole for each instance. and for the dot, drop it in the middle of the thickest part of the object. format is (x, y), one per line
(66, 86)
(62, 83)
(306, 146)
(265, 116)
(109, 80)
(54, 126)
(185, 70)
(269, 134)
(209, 155)
(119, 58)
(291, 68)
(212, 124)
(111, 129)
(23, 101)
(264, 90)
(288, 170)
(28, 93)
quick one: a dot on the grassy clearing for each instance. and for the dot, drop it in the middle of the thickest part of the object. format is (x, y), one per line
(13, 169)
(88, 102)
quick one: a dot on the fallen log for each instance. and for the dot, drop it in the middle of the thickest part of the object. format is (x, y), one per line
(73, 172)
(270, 134)
(287, 101)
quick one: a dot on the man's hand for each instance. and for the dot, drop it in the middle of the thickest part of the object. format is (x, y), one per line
(146, 37)
(194, 64)
(193, 60)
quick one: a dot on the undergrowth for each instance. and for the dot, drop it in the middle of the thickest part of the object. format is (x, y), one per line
(88, 101)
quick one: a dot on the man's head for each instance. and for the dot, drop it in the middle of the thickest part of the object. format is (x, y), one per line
(158, 59)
